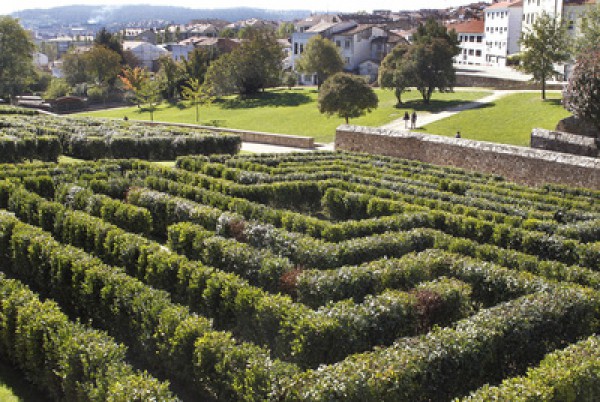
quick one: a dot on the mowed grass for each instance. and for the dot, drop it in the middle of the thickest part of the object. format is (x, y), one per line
(292, 111)
(508, 120)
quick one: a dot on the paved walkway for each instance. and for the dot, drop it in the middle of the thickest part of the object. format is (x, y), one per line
(426, 119)
(265, 148)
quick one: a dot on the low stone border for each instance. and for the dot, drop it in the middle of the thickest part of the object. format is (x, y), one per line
(564, 142)
(283, 140)
(519, 164)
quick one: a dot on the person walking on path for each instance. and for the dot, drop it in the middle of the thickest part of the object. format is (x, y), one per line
(413, 120)
(457, 134)
(406, 119)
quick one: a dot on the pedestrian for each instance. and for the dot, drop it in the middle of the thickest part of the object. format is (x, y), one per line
(413, 120)
(457, 134)
(406, 119)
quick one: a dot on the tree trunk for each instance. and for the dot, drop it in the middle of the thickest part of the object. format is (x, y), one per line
(544, 88)
(346, 119)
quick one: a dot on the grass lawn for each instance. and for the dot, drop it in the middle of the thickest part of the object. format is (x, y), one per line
(290, 111)
(508, 120)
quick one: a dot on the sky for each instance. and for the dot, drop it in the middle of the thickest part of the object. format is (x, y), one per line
(8, 6)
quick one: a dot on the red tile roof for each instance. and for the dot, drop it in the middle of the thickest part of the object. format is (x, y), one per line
(472, 26)
(506, 4)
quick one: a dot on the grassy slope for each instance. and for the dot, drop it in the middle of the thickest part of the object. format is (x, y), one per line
(509, 120)
(290, 112)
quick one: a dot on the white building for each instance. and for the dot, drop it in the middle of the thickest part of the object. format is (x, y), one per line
(471, 41)
(502, 31)
(147, 53)
(532, 9)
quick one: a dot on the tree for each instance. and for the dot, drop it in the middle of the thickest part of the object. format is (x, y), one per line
(172, 76)
(198, 62)
(290, 79)
(320, 57)
(109, 41)
(198, 94)
(582, 95)
(74, 68)
(221, 75)
(149, 95)
(589, 37)
(133, 79)
(347, 95)
(249, 68)
(103, 65)
(16, 58)
(285, 30)
(397, 71)
(545, 44)
(432, 54)
(58, 87)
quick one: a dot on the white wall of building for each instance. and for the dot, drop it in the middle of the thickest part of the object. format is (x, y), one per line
(472, 48)
(502, 33)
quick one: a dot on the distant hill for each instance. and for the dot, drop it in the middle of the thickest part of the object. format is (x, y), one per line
(119, 15)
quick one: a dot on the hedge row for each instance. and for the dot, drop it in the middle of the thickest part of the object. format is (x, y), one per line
(68, 360)
(477, 182)
(491, 283)
(129, 217)
(18, 111)
(409, 188)
(19, 149)
(149, 148)
(572, 374)
(449, 362)
(163, 335)
(166, 210)
(271, 320)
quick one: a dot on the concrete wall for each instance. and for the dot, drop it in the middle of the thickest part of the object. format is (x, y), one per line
(249, 136)
(564, 142)
(519, 164)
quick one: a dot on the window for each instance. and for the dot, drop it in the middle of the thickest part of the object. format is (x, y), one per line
(295, 47)
(471, 52)
(479, 39)
(301, 48)
(347, 44)
(478, 53)
(338, 43)
(347, 60)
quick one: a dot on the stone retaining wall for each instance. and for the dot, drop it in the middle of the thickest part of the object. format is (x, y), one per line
(466, 80)
(564, 142)
(519, 164)
(283, 140)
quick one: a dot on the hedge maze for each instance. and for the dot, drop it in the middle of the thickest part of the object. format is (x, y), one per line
(45, 138)
(315, 277)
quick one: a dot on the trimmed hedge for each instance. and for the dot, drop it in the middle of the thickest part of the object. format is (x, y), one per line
(572, 374)
(163, 335)
(68, 360)
(493, 344)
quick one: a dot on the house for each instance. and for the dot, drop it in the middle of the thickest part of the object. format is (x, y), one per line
(363, 40)
(147, 53)
(502, 31)
(178, 51)
(139, 35)
(219, 45)
(471, 43)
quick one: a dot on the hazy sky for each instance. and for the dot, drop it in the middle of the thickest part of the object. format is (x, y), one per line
(9, 6)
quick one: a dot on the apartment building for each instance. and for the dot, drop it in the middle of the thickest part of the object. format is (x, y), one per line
(471, 41)
(502, 31)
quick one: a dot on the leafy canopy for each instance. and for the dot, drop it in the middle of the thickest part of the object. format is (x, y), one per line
(545, 44)
(320, 57)
(397, 71)
(16, 58)
(582, 95)
(347, 96)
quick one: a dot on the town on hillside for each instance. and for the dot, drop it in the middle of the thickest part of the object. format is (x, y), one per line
(489, 35)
